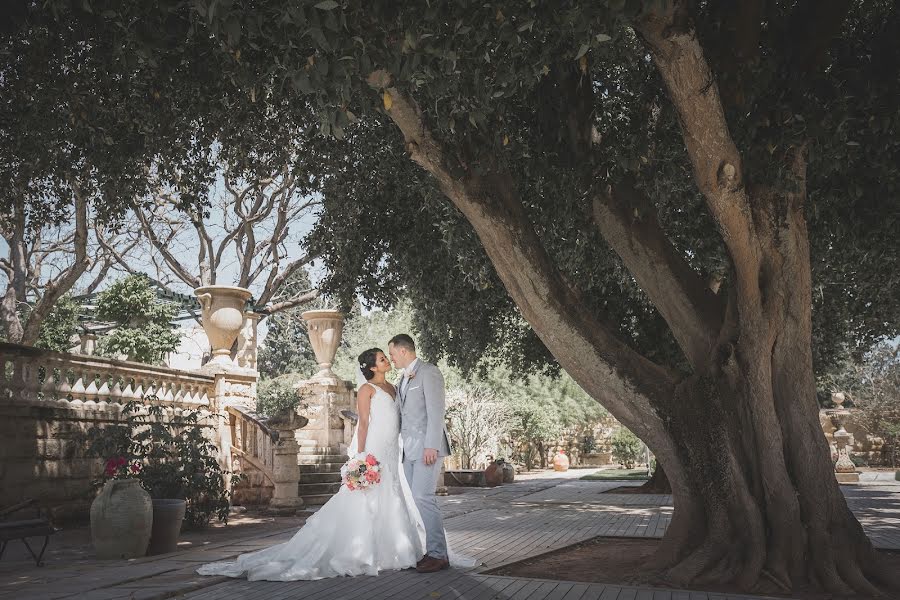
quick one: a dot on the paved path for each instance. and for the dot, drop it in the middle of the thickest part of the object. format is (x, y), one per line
(498, 526)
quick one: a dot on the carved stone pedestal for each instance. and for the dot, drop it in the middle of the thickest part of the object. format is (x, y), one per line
(285, 499)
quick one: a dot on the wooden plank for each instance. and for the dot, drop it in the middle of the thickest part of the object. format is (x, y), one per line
(577, 592)
(493, 587)
(628, 593)
(515, 586)
(610, 592)
(560, 591)
(527, 590)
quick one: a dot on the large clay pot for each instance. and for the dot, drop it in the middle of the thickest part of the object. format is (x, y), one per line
(324, 328)
(509, 472)
(560, 461)
(121, 520)
(167, 518)
(223, 308)
(493, 475)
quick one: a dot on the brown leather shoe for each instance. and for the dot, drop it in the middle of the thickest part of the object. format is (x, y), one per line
(421, 560)
(431, 564)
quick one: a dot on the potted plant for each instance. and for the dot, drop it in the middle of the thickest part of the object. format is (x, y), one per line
(122, 513)
(177, 466)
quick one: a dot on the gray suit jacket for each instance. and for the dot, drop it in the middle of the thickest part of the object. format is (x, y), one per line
(422, 412)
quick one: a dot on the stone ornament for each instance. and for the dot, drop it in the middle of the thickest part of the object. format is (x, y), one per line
(325, 328)
(121, 520)
(223, 308)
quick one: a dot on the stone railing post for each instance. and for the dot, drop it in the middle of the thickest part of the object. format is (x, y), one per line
(235, 388)
(286, 475)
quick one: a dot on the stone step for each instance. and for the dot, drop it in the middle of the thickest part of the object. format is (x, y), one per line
(320, 478)
(328, 467)
(318, 460)
(316, 499)
(312, 489)
(315, 449)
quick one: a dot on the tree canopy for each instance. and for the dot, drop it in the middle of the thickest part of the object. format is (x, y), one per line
(655, 194)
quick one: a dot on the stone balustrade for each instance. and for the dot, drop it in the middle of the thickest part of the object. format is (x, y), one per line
(50, 400)
(33, 376)
(265, 452)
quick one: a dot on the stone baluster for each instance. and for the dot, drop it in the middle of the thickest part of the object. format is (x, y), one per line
(91, 390)
(78, 388)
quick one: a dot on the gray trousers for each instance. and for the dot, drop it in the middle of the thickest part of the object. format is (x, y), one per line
(422, 481)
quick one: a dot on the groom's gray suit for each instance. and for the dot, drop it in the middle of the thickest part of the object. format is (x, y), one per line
(422, 426)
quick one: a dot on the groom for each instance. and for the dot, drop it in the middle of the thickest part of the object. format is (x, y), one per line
(425, 444)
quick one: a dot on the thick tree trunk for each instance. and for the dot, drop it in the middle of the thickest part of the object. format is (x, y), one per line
(756, 500)
(658, 482)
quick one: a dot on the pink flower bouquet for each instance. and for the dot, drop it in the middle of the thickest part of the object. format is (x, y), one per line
(360, 473)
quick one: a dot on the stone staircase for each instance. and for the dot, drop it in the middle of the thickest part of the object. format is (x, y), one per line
(320, 474)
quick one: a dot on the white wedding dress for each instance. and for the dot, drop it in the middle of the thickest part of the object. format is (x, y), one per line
(360, 532)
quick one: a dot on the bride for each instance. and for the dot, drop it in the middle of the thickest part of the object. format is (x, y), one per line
(357, 532)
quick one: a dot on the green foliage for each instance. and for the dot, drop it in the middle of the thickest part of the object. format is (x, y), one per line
(627, 448)
(370, 330)
(286, 346)
(278, 393)
(617, 475)
(143, 329)
(259, 80)
(169, 454)
(60, 325)
(873, 386)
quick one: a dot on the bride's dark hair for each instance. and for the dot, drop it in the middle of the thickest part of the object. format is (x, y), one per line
(367, 362)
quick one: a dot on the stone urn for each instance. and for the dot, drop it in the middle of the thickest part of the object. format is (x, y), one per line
(121, 520)
(493, 474)
(509, 472)
(560, 461)
(325, 328)
(223, 308)
(168, 515)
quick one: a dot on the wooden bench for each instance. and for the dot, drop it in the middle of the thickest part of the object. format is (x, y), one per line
(22, 529)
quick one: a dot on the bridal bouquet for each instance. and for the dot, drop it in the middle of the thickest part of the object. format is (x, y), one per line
(361, 472)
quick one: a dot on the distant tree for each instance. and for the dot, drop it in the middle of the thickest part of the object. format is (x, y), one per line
(60, 326)
(627, 448)
(477, 421)
(143, 324)
(873, 387)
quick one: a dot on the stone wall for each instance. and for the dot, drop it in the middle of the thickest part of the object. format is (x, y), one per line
(48, 402)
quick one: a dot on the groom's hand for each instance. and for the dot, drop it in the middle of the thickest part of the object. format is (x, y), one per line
(430, 456)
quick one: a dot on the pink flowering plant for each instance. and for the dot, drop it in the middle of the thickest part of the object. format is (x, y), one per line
(361, 472)
(120, 467)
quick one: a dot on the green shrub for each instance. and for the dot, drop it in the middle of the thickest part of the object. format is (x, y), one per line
(276, 394)
(627, 448)
(171, 459)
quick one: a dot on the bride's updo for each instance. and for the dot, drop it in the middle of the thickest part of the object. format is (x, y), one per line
(367, 362)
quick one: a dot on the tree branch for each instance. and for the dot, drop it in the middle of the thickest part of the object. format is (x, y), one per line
(279, 280)
(627, 220)
(69, 277)
(717, 164)
(304, 298)
(163, 248)
(605, 367)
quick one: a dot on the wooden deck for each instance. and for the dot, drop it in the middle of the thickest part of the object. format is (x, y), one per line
(497, 526)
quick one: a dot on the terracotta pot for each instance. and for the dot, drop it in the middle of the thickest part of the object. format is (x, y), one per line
(560, 462)
(324, 328)
(493, 475)
(167, 518)
(223, 317)
(509, 473)
(121, 520)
